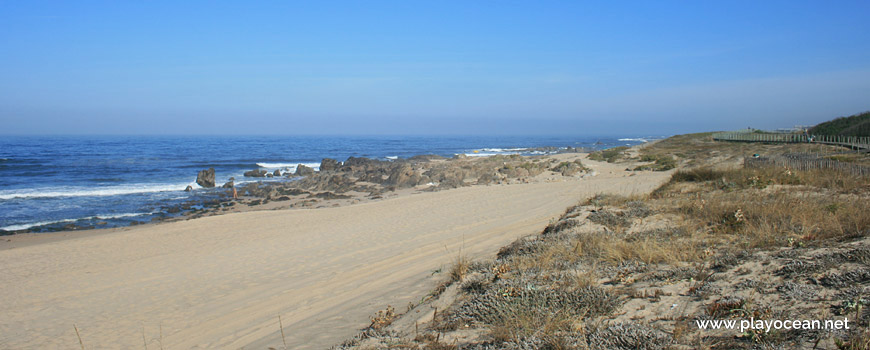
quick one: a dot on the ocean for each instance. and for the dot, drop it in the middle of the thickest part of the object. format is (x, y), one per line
(50, 183)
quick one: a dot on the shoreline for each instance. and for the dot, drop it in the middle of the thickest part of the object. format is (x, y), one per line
(55, 205)
(213, 199)
(220, 205)
(329, 266)
(23, 239)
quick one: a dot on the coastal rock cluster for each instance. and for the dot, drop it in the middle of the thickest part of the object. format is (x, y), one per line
(429, 172)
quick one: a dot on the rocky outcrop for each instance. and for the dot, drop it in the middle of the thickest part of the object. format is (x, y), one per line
(205, 178)
(230, 184)
(329, 164)
(569, 168)
(304, 170)
(256, 190)
(375, 176)
(426, 158)
(449, 177)
(327, 182)
(361, 164)
(404, 176)
(256, 173)
(277, 173)
(188, 188)
(329, 195)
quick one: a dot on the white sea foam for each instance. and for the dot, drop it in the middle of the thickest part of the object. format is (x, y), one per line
(637, 139)
(95, 217)
(503, 150)
(117, 216)
(90, 191)
(484, 154)
(27, 226)
(291, 167)
(487, 152)
(392, 157)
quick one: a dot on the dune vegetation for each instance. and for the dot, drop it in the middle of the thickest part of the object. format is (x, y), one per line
(716, 242)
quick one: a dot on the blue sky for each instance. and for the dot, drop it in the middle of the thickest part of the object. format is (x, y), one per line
(434, 67)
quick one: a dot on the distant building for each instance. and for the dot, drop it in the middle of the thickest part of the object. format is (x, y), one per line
(794, 129)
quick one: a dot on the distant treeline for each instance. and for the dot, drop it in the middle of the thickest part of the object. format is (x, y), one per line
(856, 125)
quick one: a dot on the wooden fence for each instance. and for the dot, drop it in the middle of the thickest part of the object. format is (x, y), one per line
(805, 162)
(853, 142)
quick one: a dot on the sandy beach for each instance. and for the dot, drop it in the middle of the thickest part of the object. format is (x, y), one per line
(221, 282)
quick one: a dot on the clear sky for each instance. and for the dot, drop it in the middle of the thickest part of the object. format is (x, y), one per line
(429, 67)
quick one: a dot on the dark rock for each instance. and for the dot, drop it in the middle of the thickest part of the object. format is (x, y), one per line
(329, 195)
(452, 177)
(327, 182)
(329, 164)
(404, 176)
(291, 191)
(256, 173)
(304, 170)
(354, 161)
(188, 188)
(426, 157)
(230, 184)
(361, 166)
(277, 173)
(205, 178)
(256, 189)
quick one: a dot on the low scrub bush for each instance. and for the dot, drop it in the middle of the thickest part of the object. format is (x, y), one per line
(609, 155)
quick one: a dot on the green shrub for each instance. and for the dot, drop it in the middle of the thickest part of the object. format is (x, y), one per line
(609, 155)
(855, 125)
(662, 163)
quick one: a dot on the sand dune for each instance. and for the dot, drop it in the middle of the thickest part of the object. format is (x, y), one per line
(220, 282)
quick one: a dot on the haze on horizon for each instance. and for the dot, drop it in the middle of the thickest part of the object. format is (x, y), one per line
(457, 67)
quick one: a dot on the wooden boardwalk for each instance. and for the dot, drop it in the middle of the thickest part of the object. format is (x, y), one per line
(852, 142)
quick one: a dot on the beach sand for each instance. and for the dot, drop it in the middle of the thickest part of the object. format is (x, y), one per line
(221, 282)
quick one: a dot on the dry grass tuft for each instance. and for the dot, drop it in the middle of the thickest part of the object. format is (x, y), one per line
(584, 278)
(616, 250)
(459, 268)
(383, 318)
(771, 207)
(516, 323)
(858, 340)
